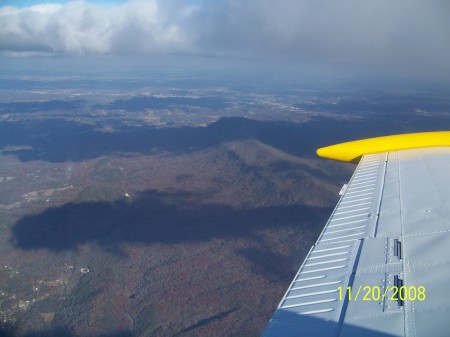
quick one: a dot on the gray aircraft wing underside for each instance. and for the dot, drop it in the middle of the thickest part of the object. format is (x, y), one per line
(381, 266)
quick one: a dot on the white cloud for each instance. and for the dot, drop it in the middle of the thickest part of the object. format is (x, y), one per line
(83, 28)
(369, 32)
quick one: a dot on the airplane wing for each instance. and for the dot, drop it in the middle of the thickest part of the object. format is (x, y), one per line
(381, 266)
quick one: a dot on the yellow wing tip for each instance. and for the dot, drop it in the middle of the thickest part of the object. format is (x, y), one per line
(352, 151)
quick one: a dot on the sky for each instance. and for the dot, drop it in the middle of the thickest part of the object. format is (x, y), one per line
(27, 3)
(410, 36)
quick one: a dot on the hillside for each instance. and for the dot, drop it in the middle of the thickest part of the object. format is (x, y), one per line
(199, 242)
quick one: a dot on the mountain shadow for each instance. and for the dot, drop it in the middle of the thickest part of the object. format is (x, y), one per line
(60, 140)
(154, 217)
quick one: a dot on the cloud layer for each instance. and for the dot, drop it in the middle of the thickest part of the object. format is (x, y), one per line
(84, 28)
(348, 31)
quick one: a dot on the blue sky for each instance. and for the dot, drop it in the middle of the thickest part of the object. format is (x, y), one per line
(27, 3)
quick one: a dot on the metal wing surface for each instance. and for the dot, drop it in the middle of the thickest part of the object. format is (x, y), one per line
(381, 266)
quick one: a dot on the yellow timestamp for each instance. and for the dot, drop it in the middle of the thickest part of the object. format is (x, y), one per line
(376, 293)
